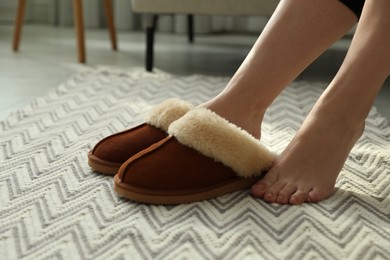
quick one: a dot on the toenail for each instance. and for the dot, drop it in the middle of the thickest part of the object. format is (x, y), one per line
(293, 200)
(269, 196)
(280, 199)
(260, 187)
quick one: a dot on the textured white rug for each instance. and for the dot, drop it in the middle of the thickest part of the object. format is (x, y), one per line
(52, 206)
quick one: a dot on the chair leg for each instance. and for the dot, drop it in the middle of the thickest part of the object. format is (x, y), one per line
(18, 24)
(110, 23)
(190, 25)
(79, 27)
(150, 31)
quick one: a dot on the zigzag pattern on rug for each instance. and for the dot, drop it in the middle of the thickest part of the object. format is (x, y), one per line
(53, 206)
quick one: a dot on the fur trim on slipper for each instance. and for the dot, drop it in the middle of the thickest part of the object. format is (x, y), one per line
(215, 137)
(162, 115)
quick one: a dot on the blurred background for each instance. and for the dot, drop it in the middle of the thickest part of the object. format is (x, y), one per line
(47, 54)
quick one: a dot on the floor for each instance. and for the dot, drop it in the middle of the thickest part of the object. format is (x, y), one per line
(48, 58)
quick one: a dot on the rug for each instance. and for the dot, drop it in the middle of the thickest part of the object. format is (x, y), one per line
(53, 206)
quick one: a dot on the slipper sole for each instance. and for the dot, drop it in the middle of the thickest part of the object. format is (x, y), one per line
(180, 197)
(102, 166)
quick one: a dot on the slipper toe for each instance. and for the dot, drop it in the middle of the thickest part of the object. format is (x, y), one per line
(196, 170)
(112, 151)
(109, 154)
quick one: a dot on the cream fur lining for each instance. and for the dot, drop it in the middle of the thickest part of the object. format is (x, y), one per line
(215, 137)
(162, 115)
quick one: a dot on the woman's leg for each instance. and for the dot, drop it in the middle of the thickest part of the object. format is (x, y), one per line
(308, 168)
(298, 32)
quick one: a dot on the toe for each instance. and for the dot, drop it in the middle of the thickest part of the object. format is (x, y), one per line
(260, 188)
(272, 193)
(313, 196)
(298, 197)
(285, 193)
(316, 195)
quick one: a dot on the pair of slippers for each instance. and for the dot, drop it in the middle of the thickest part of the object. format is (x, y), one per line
(181, 154)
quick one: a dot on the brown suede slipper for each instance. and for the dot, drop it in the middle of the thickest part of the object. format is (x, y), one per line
(109, 154)
(204, 156)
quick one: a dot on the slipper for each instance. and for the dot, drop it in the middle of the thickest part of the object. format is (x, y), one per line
(108, 155)
(204, 157)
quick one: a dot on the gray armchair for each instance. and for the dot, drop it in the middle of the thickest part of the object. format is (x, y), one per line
(153, 8)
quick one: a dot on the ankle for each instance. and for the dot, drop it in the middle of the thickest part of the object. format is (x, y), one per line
(344, 119)
(249, 119)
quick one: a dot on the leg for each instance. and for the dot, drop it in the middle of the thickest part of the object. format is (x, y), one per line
(190, 26)
(110, 23)
(308, 168)
(298, 32)
(79, 27)
(19, 24)
(151, 23)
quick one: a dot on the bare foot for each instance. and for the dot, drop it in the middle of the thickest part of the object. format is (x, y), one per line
(308, 168)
